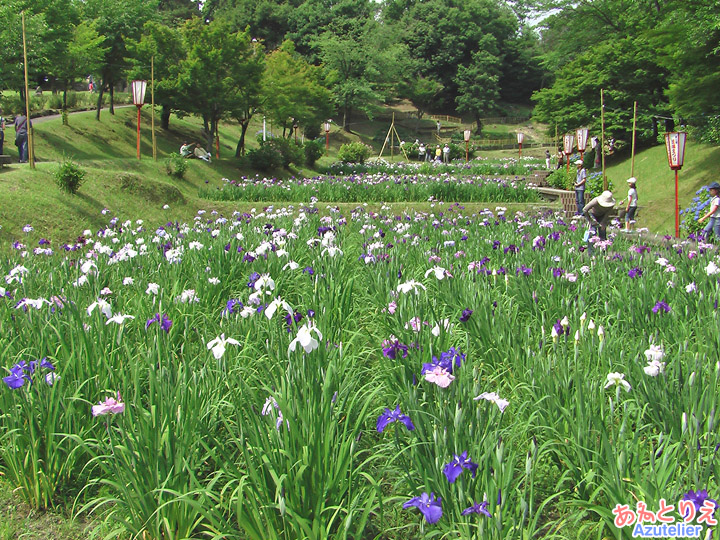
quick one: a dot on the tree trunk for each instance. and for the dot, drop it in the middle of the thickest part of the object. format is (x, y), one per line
(240, 150)
(64, 106)
(165, 117)
(100, 98)
(210, 134)
(478, 121)
(112, 98)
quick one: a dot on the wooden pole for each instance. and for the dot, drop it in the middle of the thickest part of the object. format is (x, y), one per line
(152, 109)
(632, 160)
(392, 138)
(602, 141)
(30, 150)
(138, 131)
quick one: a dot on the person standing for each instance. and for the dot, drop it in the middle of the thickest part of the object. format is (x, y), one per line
(598, 211)
(560, 159)
(631, 206)
(714, 213)
(547, 159)
(580, 179)
(446, 153)
(438, 125)
(438, 153)
(421, 152)
(21, 137)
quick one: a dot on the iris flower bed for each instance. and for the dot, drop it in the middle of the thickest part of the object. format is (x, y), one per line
(279, 374)
(379, 187)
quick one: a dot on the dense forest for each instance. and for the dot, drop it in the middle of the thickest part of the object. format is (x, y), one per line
(302, 61)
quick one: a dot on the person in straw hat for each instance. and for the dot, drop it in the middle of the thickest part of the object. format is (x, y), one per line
(598, 211)
(580, 179)
(714, 212)
(631, 205)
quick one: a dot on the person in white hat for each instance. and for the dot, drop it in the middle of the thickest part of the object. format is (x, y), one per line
(598, 211)
(631, 205)
(580, 179)
(714, 212)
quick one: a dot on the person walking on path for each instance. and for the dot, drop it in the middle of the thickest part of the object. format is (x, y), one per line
(21, 137)
(631, 206)
(598, 211)
(547, 159)
(2, 132)
(714, 212)
(580, 179)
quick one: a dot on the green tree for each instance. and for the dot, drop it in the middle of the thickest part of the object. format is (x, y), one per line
(119, 21)
(627, 70)
(293, 90)
(83, 54)
(478, 88)
(210, 78)
(167, 46)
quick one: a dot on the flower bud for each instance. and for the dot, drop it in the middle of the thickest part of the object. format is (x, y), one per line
(601, 333)
(691, 381)
(591, 325)
(684, 422)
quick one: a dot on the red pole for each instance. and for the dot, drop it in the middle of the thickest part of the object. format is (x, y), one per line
(677, 207)
(520, 150)
(327, 141)
(138, 135)
(467, 151)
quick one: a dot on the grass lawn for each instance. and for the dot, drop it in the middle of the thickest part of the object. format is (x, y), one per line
(656, 182)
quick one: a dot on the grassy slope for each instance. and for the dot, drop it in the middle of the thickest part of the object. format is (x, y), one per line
(656, 182)
(135, 189)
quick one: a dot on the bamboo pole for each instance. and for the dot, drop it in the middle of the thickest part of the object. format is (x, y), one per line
(392, 139)
(152, 107)
(31, 153)
(632, 160)
(602, 140)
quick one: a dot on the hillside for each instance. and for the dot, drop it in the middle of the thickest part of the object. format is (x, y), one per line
(133, 189)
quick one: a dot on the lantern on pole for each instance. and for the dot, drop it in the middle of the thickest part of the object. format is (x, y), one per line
(568, 143)
(327, 136)
(675, 146)
(582, 135)
(466, 135)
(138, 94)
(521, 138)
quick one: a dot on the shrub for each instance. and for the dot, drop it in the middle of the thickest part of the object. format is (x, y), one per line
(265, 158)
(69, 176)
(176, 165)
(355, 152)
(313, 151)
(289, 150)
(562, 179)
(699, 206)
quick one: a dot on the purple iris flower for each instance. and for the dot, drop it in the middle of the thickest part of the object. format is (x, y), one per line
(428, 505)
(512, 248)
(394, 348)
(477, 508)
(162, 320)
(448, 360)
(560, 329)
(44, 242)
(661, 306)
(465, 317)
(453, 469)
(248, 258)
(253, 278)
(21, 372)
(558, 272)
(17, 377)
(698, 498)
(308, 270)
(496, 244)
(524, 269)
(635, 272)
(232, 306)
(296, 317)
(389, 416)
